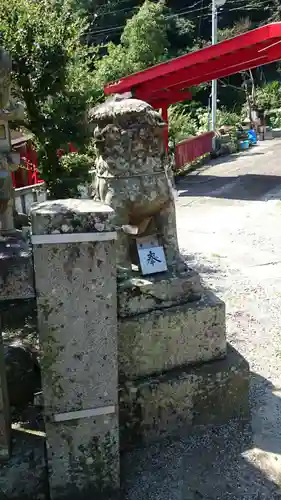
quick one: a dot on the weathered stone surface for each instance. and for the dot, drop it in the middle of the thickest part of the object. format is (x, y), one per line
(163, 339)
(5, 417)
(16, 268)
(138, 294)
(133, 176)
(92, 444)
(23, 374)
(71, 216)
(77, 319)
(171, 404)
(76, 295)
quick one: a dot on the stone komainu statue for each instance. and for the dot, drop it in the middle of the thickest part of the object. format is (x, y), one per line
(132, 175)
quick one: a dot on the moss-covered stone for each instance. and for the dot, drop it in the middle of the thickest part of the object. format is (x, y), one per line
(168, 338)
(170, 404)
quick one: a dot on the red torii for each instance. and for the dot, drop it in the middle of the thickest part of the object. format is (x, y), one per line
(167, 83)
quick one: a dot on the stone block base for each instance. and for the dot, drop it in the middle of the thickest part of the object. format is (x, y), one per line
(163, 339)
(175, 402)
(16, 268)
(140, 294)
(83, 458)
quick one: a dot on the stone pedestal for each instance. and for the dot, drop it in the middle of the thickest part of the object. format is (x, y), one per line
(5, 420)
(163, 339)
(75, 278)
(16, 267)
(176, 402)
(174, 366)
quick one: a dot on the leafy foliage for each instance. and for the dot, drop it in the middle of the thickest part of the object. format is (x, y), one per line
(51, 76)
(185, 122)
(269, 96)
(237, 28)
(73, 164)
(224, 118)
(145, 41)
(181, 124)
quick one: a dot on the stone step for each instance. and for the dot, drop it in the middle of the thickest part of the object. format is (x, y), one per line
(160, 340)
(141, 294)
(179, 401)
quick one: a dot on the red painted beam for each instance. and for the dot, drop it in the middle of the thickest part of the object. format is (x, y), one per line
(168, 94)
(273, 52)
(263, 57)
(270, 33)
(160, 104)
(204, 72)
(172, 98)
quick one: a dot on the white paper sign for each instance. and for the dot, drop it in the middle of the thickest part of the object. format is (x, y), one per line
(152, 257)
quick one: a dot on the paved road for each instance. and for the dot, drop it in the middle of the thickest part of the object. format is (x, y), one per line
(240, 178)
(229, 229)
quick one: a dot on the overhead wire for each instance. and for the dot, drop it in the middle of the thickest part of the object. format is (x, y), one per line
(117, 28)
(191, 10)
(105, 13)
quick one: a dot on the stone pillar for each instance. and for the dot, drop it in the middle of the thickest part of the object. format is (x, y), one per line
(5, 420)
(6, 194)
(75, 280)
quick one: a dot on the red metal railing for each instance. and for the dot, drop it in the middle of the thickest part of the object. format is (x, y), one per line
(192, 148)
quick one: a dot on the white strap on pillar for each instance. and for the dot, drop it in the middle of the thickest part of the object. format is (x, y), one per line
(92, 412)
(57, 238)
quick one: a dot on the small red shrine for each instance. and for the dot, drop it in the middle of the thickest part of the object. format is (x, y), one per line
(28, 174)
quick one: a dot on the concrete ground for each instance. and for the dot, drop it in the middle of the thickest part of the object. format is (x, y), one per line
(229, 224)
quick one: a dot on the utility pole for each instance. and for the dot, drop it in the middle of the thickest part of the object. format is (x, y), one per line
(215, 5)
(214, 82)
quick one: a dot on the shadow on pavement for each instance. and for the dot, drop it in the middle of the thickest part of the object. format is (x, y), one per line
(212, 465)
(242, 187)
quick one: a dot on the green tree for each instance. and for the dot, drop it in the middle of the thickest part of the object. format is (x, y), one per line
(51, 76)
(268, 97)
(237, 28)
(145, 41)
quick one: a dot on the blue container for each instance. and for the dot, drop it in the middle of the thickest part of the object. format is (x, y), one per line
(252, 136)
(244, 145)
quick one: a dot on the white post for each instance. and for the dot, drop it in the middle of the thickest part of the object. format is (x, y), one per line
(215, 5)
(214, 82)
